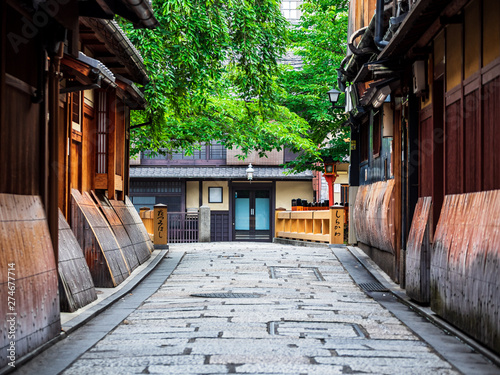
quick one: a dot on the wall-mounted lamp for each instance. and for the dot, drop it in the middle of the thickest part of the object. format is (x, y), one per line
(388, 121)
(250, 172)
(381, 95)
(334, 95)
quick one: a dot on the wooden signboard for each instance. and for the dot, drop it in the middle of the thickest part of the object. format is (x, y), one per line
(160, 226)
(337, 220)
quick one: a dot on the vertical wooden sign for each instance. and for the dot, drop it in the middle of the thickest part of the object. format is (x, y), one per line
(160, 226)
(337, 225)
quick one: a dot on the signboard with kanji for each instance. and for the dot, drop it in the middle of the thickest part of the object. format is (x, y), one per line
(160, 225)
(337, 225)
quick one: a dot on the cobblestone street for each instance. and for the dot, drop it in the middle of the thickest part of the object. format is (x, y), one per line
(255, 308)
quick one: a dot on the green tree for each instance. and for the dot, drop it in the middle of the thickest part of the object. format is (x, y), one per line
(320, 40)
(213, 69)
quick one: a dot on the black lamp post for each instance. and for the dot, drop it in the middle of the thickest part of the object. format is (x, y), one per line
(334, 95)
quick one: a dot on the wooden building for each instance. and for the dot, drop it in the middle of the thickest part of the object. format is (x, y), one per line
(241, 209)
(423, 84)
(49, 148)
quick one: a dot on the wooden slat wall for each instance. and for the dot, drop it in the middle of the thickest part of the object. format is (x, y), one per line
(465, 265)
(134, 227)
(374, 215)
(472, 142)
(76, 288)
(491, 112)
(453, 149)
(25, 241)
(426, 157)
(106, 261)
(20, 141)
(418, 252)
(121, 234)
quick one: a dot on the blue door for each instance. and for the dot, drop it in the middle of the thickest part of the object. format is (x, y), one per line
(252, 215)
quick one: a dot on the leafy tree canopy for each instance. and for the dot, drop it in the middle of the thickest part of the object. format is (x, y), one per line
(215, 75)
(320, 39)
(213, 69)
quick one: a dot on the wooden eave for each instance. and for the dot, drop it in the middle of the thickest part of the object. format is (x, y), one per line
(75, 69)
(132, 96)
(139, 12)
(423, 22)
(110, 46)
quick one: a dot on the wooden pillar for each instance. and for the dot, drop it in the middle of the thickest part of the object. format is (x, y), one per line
(3, 32)
(398, 183)
(160, 226)
(52, 205)
(126, 166)
(112, 100)
(337, 221)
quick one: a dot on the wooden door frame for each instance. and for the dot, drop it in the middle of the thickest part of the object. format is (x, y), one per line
(255, 185)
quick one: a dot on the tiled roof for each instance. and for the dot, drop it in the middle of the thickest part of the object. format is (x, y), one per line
(260, 173)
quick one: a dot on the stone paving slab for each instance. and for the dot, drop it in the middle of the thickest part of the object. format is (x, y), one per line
(310, 318)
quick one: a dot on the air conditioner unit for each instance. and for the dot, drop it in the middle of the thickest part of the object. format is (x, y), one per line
(419, 81)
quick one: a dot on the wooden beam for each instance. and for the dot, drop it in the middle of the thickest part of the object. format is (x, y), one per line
(76, 65)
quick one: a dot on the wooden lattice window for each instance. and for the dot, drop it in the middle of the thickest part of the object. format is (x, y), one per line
(76, 111)
(102, 133)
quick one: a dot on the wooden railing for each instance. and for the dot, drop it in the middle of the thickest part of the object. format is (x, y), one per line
(315, 226)
(182, 227)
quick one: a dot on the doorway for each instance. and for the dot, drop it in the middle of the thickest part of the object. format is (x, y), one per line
(252, 214)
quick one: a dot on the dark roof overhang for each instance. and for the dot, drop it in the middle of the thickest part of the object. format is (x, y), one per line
(424, 20)
(133, 97)
(139, 12)
(110, 45)
(85, 73)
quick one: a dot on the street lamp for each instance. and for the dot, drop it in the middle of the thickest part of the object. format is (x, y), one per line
(328, 168)
(250, 172)
(334, 95)
(330, 177)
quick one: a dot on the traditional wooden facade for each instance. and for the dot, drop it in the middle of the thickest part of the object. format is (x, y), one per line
(241, 210)
(48, 147)
(423, 81)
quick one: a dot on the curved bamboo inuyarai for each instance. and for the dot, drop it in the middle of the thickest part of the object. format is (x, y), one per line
(374, 215)
(465, 265)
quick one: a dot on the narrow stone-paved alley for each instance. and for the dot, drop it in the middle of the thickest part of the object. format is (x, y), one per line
(251, 308)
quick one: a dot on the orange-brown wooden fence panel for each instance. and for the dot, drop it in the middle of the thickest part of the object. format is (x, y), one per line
(465, 265)
(418, 252)
(77, 287)
(28, 281)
